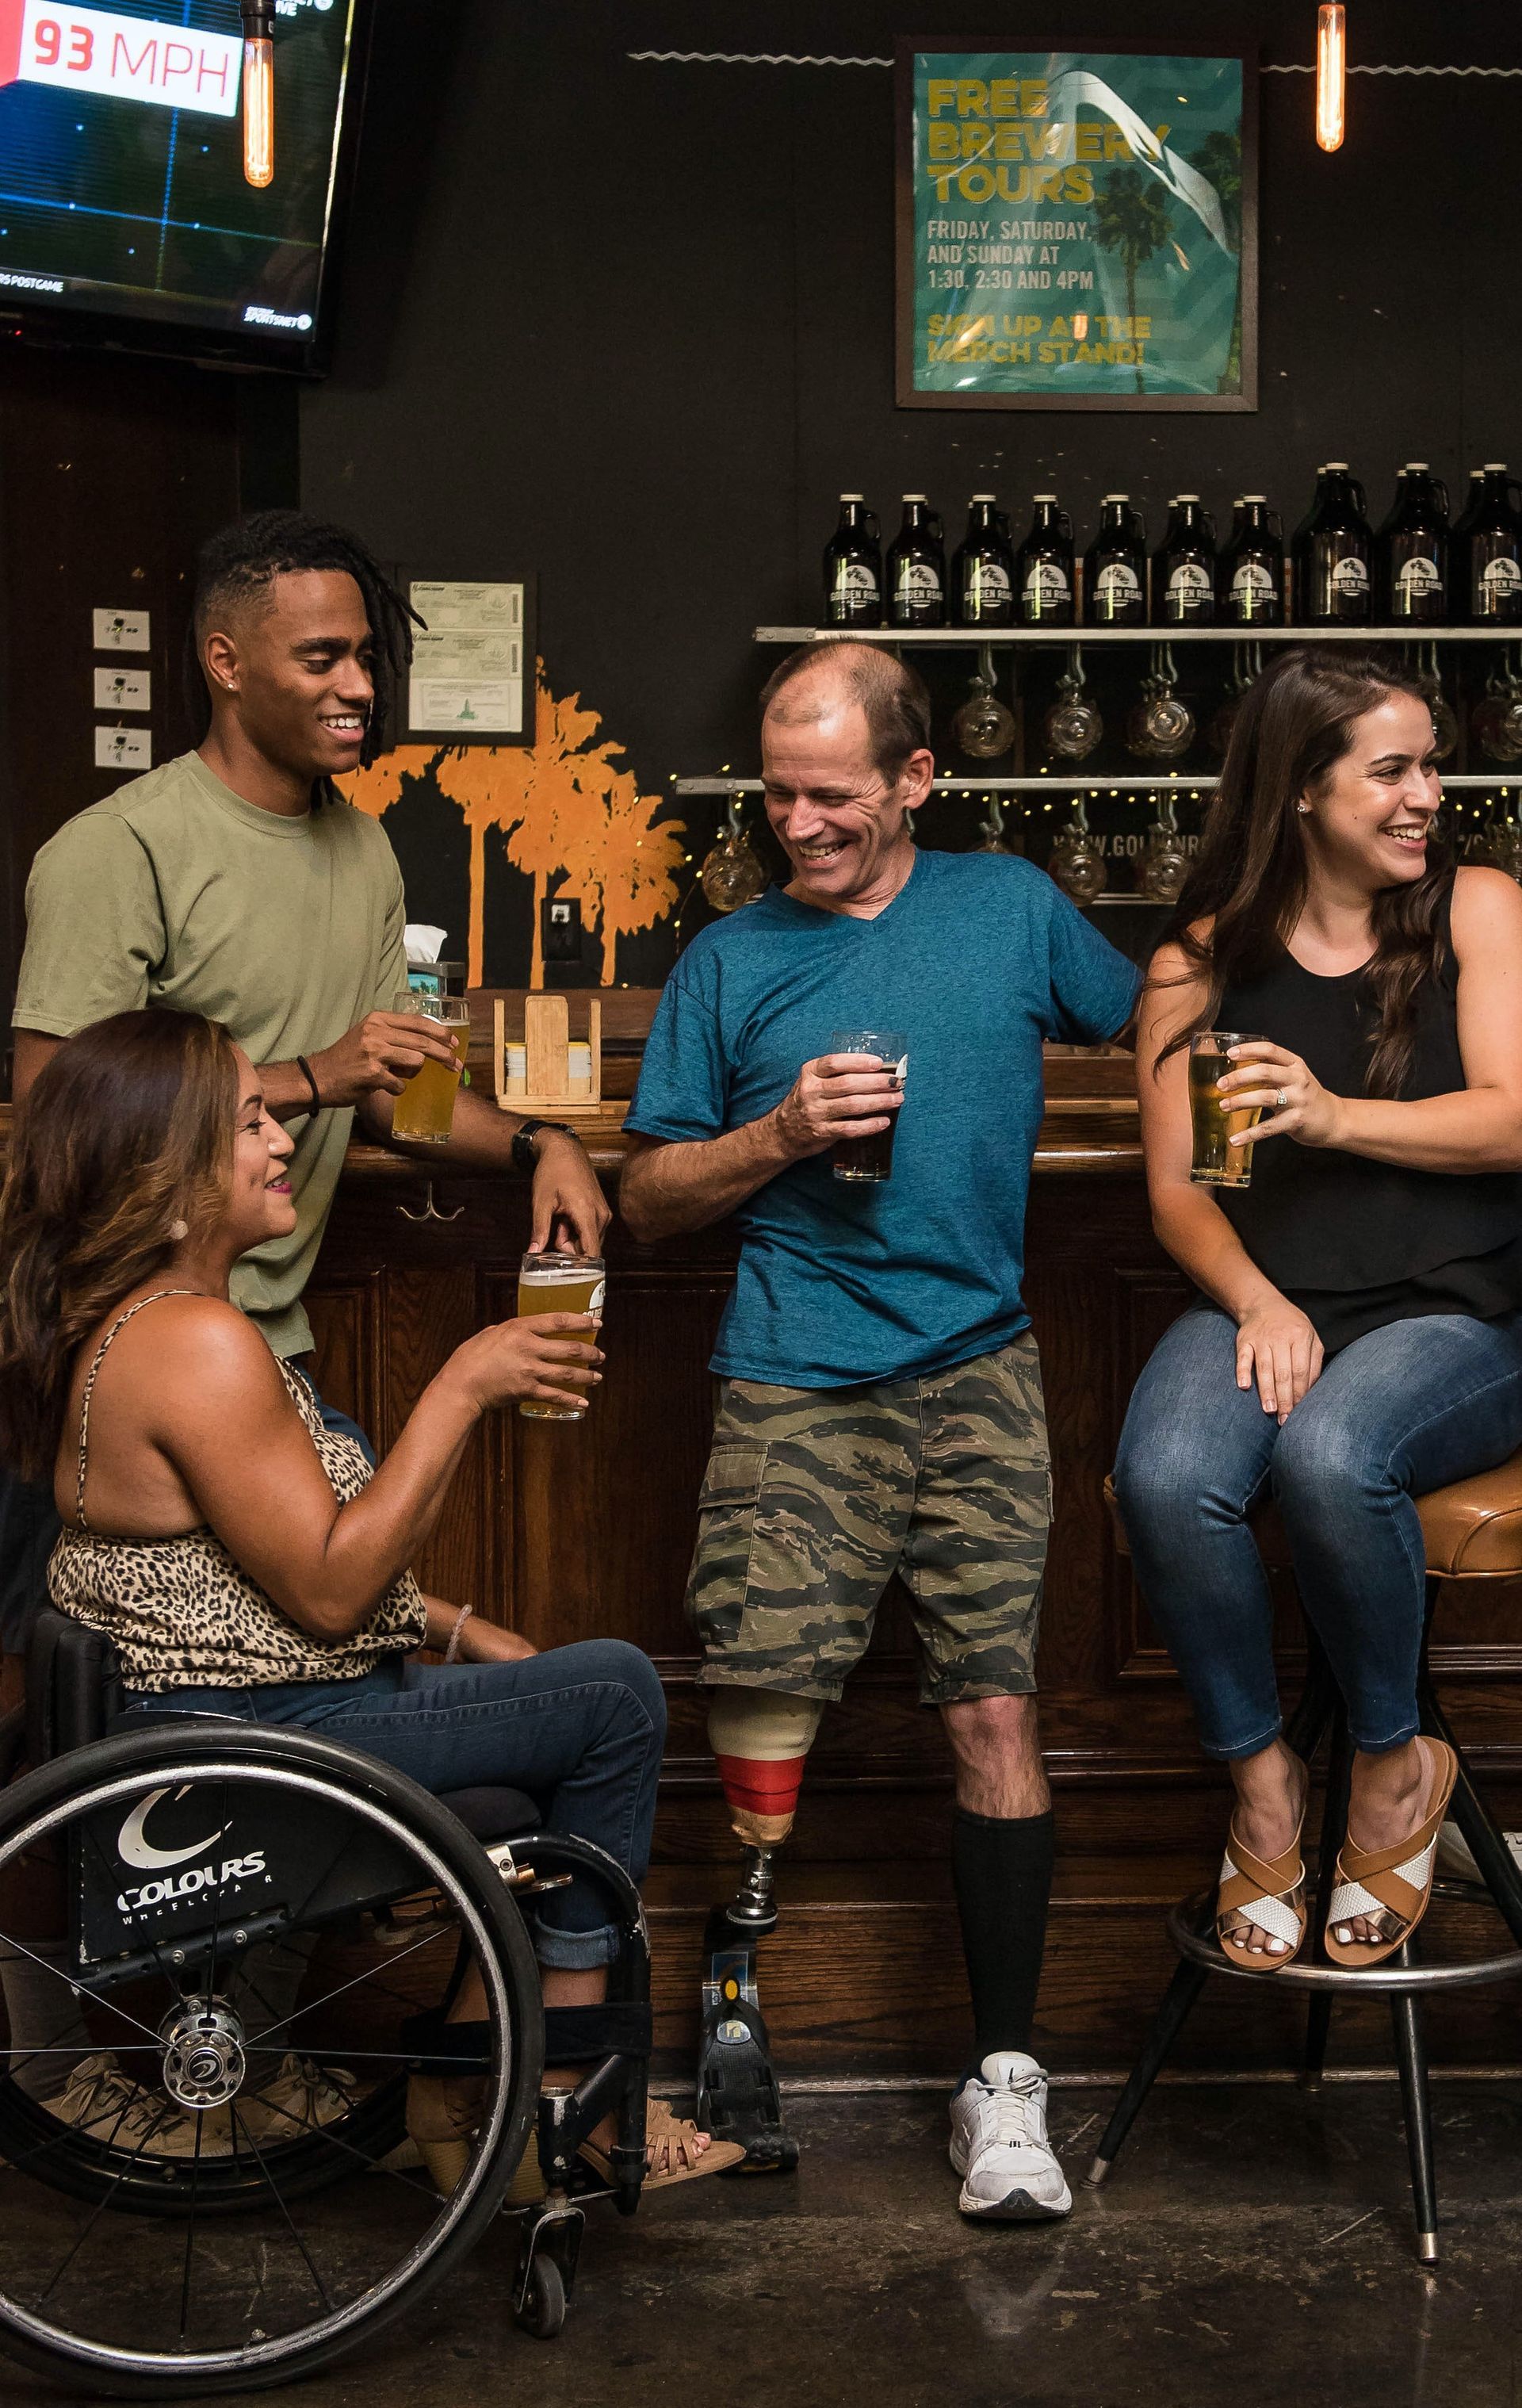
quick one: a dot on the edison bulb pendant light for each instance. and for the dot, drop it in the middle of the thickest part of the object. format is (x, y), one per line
(259, 92)
(1330, 75)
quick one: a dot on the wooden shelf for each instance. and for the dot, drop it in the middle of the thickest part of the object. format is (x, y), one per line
(1087, 635)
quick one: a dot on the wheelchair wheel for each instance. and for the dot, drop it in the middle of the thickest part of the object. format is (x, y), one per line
(206, 2203)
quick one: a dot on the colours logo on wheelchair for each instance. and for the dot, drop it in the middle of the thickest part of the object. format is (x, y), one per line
(241, 1862)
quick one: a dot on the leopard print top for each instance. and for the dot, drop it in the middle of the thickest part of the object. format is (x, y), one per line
(183, 1614)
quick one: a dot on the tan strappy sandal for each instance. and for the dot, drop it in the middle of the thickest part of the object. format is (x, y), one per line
(1394, 1883)
(1268, 1891)
(671, 2143)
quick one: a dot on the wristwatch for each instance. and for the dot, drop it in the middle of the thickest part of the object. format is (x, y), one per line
(524, 1157)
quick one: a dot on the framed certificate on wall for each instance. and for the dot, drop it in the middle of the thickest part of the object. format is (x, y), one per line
(1076, 229)
(471, 679)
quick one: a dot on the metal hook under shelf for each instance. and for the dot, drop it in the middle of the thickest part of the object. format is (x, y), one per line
(429, 1210)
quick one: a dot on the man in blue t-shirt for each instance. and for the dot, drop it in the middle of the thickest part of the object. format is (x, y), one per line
(881, 1407)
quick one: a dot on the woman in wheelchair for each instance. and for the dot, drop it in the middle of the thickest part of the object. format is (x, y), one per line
(240, 1556)
(1356, 1335)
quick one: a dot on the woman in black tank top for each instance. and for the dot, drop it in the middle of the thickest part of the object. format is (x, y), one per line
(1357, 1337)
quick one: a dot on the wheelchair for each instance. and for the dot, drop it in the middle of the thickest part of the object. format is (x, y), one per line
(263, 1932)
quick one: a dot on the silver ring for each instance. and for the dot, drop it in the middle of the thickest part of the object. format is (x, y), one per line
(1283, 1100)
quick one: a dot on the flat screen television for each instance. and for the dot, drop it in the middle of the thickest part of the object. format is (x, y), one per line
(124, 214)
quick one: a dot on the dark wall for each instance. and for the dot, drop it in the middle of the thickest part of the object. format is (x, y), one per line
(112, 471)
(630, 323)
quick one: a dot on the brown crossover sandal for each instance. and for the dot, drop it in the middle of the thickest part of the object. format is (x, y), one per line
(671, 2147)
(1268, 1891)
(1392, 1886)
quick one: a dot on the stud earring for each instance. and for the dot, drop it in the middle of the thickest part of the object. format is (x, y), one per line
(1304, 809)
(178, 1232)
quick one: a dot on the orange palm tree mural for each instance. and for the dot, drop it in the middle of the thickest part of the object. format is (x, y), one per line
(568, 816)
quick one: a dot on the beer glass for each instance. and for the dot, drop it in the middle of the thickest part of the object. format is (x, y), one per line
(1217, 1163)
(869, 1158)
(424, 1112)
(556, 1283)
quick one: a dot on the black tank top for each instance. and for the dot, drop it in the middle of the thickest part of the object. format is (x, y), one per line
(1358, 1243)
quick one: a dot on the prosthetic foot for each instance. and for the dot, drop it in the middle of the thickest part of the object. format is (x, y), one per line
(761, 1739)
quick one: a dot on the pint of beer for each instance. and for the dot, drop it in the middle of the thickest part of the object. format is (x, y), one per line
(1216, 1162)
(869, 1158)
(551, 1283)
(424, 1112)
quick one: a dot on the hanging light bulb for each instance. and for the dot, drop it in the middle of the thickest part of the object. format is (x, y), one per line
(259, 92)
(1330, 75)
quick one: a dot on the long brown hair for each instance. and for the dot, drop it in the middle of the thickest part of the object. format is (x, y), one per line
(128, 1130)
(1248, 886)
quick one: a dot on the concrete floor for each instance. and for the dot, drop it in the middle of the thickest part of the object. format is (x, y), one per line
(1254, 2243)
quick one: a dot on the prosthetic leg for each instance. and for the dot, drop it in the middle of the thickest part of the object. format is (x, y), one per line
(761, 1739)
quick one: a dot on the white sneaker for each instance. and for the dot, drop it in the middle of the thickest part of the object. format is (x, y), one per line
(998, 2144)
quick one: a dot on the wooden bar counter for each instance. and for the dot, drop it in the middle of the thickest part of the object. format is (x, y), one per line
(567, 1531)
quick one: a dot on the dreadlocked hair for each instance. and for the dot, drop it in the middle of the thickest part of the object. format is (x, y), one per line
(237, 566)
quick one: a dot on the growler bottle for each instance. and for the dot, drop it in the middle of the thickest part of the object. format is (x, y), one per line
(1411, 550)
(1044, 567)
(1331, 554)
(983, 569)
(1184, 566)
(853, 568)
(1115, 568)
(1252, 567)
(917, 568)
(1493, 581)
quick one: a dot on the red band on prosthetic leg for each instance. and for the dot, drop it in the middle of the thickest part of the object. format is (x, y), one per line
(762, 1788)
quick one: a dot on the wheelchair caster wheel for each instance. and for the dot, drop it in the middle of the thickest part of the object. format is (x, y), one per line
(542, 2309)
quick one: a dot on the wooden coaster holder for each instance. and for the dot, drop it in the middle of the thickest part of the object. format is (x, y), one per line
(547, 1040)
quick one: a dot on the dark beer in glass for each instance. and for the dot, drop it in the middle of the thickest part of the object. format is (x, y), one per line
(869, 1158)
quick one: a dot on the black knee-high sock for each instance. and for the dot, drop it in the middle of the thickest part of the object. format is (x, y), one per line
(1002, 1869)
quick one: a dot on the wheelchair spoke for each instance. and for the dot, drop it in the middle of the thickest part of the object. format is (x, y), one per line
(275, 2189)
(190, 2234)
(371, 2165)
(83, 1989)
(328, 1996)
(105, 2202)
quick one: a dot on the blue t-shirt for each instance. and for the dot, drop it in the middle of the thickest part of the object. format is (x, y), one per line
(977, 959)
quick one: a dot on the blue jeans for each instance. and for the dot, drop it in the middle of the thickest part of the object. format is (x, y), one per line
(1407, 1409)
(581, 1728)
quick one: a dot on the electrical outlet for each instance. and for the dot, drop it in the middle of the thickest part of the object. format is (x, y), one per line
(560, 929)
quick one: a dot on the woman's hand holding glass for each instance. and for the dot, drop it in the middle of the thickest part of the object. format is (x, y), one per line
(1292, 1097)
(543, 1359)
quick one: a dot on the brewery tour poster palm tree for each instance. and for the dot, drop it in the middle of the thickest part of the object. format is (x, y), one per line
(563, 811)
(1076, 229)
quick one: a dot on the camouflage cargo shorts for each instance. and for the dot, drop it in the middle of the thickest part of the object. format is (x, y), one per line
(815, 1496)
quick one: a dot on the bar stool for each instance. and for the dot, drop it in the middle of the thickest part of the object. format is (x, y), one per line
(1473, 1531)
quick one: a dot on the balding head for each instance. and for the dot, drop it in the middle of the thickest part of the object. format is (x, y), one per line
(845, 756)
(833, 677)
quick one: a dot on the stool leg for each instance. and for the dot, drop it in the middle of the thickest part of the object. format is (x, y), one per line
(1499, 1869)
(1189, 1980)
(1416, 2098)
(1333, 1832)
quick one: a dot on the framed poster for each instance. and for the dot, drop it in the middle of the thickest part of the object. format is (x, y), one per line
(1076, 229)
(472, 679)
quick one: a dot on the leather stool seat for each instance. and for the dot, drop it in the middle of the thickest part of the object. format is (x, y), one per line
(1471, 1529)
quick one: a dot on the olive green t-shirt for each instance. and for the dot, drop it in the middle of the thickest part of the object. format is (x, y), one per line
(175, 890)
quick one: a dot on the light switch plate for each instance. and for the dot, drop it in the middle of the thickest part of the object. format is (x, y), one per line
(124, 748)
(123, 689)
(120, 631)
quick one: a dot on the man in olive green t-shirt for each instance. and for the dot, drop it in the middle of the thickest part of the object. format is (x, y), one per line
(234, 882)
